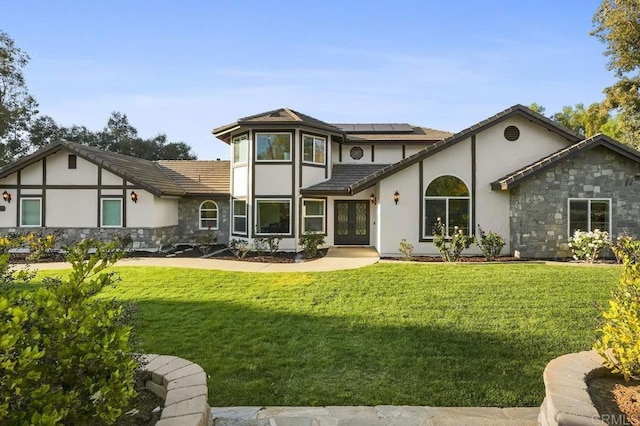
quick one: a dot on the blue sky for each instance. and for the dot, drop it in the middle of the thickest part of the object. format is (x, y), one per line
(183, 68)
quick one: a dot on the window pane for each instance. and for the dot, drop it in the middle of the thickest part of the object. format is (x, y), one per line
(307, 148)
(449, 186)
(111, 212)
(273, 147)
(578, 216)
(273, 217)
(458, 215)
(314, 208)
(30, 212)
(319, 150)
(314, 224)
(239, 207)
(240, 224)
(240, 149)
(600, 215)
(433, 209)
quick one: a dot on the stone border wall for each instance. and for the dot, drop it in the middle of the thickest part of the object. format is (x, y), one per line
(183, 386)
(567, 401)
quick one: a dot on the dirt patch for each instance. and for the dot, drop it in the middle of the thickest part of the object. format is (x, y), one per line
(617, 401)
(143, 410)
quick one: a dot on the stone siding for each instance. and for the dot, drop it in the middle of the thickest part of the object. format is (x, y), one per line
(189, 219)
(538, 206)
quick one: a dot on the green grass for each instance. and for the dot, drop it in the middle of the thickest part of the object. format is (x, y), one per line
(441, 335)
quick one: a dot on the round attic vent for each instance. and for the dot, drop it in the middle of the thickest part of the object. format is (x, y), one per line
(356, 153)
(511, 133)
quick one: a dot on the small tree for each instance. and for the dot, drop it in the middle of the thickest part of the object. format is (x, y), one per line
(491, 244)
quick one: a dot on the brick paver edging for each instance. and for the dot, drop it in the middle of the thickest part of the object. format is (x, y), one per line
(567, 400)
(183, 386)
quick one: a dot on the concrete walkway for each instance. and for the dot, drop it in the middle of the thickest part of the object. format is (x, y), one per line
(337, 258)
(382, 415)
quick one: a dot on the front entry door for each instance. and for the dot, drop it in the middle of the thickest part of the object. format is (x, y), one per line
(351, 222)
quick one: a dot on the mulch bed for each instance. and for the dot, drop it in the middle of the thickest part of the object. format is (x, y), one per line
(465, 259)
(140, 410)
(617, 401)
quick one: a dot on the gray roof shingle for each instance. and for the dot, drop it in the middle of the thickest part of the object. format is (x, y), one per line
(343, 178)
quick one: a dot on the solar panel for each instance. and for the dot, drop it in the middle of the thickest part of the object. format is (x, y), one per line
(375, 127)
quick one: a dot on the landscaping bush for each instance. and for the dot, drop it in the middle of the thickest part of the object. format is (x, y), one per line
(310, 242)
(273, 244)
(207, 241)
(491, 244)
(450, 247)
(64, 354)
(406, 249)
(259, 245)
(619, 344)
(239, 248)
(586, 246)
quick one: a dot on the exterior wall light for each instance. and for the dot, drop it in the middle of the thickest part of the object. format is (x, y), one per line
(6, 196)
(134, 197)
(396, 197)
(373, 198)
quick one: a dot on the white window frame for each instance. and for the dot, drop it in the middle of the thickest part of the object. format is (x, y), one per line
(257, 134)
(102, 200)
(313, 149)
(240, 138)
(234, 216)
(447, 199)
(323, 216)
(200, 218)
(589, 200)
(273, 200)
(39, 199)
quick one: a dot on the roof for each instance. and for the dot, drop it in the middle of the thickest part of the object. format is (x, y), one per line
(198, 177)
(416, 134)
(343, 179)
(279, 116)
(160, 180)
(516, 177)
(516, 110)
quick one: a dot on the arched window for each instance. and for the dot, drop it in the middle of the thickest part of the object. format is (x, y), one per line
(208, 215)
(447, 198)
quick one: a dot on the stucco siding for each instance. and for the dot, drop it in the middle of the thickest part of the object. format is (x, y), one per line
(58, 172)
(109, 178)
(388, 154)
(85, 208)
(165, 212)
(141, 213)
(312, 175)
(32, 174)
(240, 179)
(273, 179)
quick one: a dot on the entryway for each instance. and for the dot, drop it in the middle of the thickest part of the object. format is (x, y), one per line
(351, 222)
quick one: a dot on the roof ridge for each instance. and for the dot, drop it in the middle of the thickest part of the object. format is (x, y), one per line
(293, 114)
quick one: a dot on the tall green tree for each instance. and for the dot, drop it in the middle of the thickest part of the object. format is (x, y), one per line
(17, 106)
(617, 24)
(589, 121)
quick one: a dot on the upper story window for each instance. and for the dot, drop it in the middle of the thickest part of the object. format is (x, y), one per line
(240, 146)
(313, 149)
(273, 146)
(208, 215)
(447, 198)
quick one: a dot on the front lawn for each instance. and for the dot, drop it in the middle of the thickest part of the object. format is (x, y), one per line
(401, 334)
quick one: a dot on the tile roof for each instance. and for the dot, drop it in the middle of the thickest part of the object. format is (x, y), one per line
(516, 110)
(514, 178)
(417, 134)
(277, 116)
(343, 177)
(159, 178)
(198, 177)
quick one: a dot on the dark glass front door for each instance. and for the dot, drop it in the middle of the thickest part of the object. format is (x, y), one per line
(351, 222)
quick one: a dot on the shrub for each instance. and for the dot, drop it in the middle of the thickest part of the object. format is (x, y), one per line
(491, 244)
(619, 343)
(259, 245)
(64, 354)
(586, 246)
(406, 249)
(206, 241)
(450, 247)
(310, 242)
(626, 249)
(239, 248)
(273, 244)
